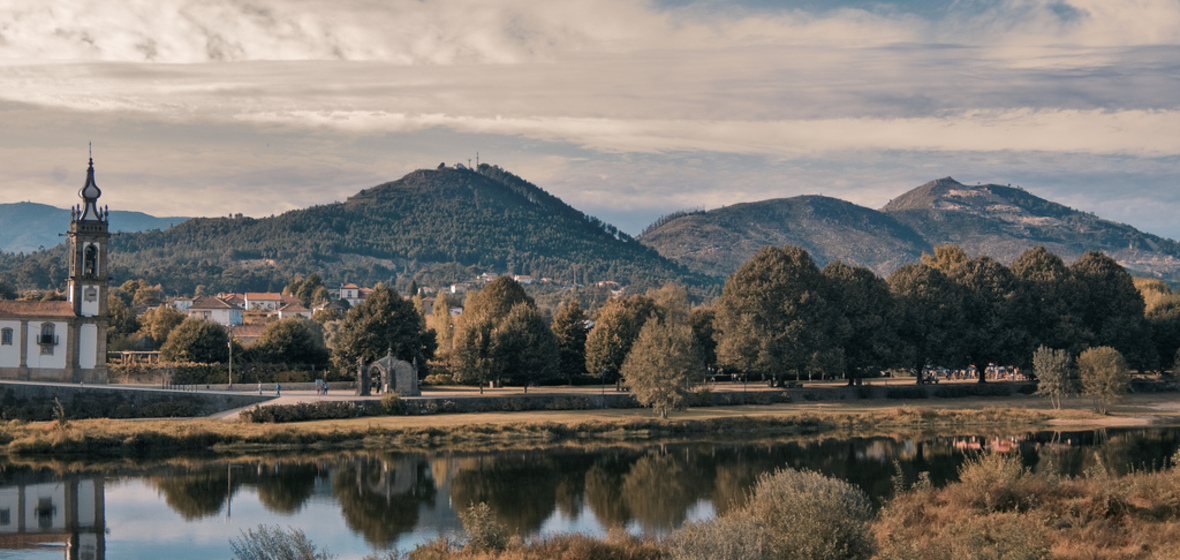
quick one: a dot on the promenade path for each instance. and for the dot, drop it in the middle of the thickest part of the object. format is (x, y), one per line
(287, 397)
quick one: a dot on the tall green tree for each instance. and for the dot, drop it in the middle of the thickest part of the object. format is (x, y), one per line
(862, 299)
(442, 323)
(702, 319)
(569, 326)
(930, 318)
(501, 336)
(1054, 374)
(1111, 309)
(1045, 298)
(197, 341)
(1104, 375)
(993, 330)
(294, 340)
(158, 323)
(663, 366)
(383, 322)
(309, 289)
(945, 257)
(1164, 321)
(616, 326)
(772, 316)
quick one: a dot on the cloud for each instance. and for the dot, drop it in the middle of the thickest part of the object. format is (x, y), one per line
(631, 107)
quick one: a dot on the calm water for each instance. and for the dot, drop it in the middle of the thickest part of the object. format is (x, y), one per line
(356, 504)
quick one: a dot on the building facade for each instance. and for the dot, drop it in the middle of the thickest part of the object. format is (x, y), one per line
(65, 340)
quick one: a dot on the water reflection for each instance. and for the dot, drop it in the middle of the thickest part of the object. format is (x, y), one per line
(390, 500)
(39, 509)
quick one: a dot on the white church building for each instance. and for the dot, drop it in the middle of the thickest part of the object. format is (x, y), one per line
(65, 340)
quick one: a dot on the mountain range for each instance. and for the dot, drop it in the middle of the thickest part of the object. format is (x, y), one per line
(29, 226)
(437, 226)
(994, 220)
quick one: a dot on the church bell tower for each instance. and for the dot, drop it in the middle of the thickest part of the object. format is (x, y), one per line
(88, 253)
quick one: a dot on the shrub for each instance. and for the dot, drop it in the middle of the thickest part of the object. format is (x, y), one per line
(994, 481)
(906, 393)
(392, 403)
(813, 517)
(483, 531)
(273, 543)
(733, 537)
(964, 390)
(790, 514)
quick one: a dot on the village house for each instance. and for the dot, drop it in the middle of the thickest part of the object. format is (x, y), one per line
(263, 301)
(217, 310)
(293, 309)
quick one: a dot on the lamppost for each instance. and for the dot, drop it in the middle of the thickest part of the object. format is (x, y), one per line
(230, 343)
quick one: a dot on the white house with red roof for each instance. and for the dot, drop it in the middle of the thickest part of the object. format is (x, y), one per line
(217, 310)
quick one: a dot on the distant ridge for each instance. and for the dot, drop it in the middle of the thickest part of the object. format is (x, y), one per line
(433, 226)
(999, 221)
(718, 241)
(28, 226)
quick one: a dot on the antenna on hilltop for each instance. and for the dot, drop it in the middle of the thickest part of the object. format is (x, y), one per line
(477, 159)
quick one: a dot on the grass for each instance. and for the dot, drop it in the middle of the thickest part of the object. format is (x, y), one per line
(529, 429)
(115, 438)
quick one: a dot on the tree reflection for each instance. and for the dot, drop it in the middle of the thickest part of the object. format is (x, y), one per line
(380, 498)
(660, 487)
(285, 487)
(520, 488)
(604, 491)
(197, 494)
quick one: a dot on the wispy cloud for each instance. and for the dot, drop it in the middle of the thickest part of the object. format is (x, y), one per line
(251, 98)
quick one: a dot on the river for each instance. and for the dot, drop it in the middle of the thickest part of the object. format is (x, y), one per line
(360, 503)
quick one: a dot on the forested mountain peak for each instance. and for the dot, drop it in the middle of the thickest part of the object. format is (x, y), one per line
(995, 220)
(1004, 221)
(997, 201)
(720, 240)
(435, 226)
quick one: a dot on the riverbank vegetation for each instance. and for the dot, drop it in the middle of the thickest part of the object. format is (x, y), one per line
(997, 510)
(111, 438)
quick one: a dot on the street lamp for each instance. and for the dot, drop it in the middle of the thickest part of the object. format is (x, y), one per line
(230, 343)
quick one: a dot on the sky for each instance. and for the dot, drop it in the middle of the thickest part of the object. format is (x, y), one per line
(626, 109)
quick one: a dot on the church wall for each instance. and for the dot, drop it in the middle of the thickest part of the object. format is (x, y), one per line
(88, 346)
(10, 354)
(35, 359)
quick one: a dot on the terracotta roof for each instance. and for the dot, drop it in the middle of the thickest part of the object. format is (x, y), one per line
(293, 308)
(248, 333)
(211, 303)
(34, 309)
(266, 296)
(349, 286)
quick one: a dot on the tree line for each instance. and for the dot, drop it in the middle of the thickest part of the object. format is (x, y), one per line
(778, 317)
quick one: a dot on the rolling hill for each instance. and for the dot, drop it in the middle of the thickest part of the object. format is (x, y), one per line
(436, 226)
(719, 241)
(995, 220)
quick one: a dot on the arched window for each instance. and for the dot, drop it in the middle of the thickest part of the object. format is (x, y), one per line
(6, 337)
(90, 260)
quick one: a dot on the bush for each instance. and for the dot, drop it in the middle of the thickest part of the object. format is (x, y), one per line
(791, 514)
(483, 531)
(995, 482)
(273, 543)
(965, 390)
(906, 393)
(733, 537)
(302, 412)
(392, 403)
